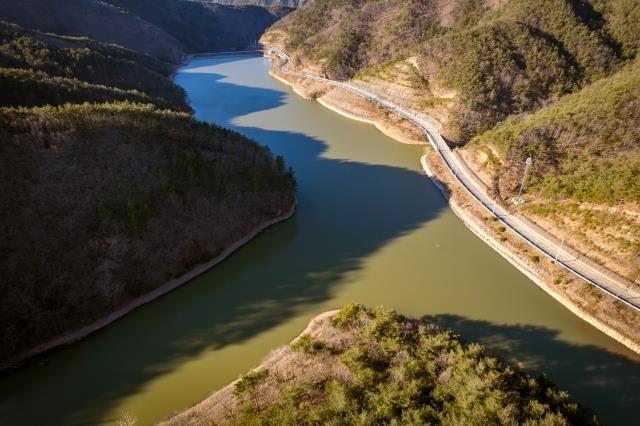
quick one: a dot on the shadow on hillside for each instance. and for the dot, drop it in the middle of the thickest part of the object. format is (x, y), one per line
(608, 377)
(347, 211)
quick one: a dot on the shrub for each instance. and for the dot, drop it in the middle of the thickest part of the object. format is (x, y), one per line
(249, 381)
(308, 345)
(430, 377)
(348, 315)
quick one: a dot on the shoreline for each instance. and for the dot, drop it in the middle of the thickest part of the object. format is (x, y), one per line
(83, 332)
(521, 265)
(506, 252)
(384, 129)
(219, 398)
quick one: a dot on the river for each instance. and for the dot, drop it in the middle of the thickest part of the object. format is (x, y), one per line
(370, 228)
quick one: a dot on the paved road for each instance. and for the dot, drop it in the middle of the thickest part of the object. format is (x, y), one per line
(607, 281)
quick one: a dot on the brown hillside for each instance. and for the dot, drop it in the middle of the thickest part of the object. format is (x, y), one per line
(94, 19)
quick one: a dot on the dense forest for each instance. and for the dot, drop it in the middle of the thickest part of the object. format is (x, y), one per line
(109, 187)
(375, 367)
(166, 29)
(102, 203)
(495, 60)
(80, 62)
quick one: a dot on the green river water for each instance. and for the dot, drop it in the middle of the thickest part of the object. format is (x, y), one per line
(370, 228)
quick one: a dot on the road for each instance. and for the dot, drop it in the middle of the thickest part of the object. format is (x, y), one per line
(607, 281)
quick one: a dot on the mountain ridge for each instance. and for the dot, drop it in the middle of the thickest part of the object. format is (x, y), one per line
(166, 29)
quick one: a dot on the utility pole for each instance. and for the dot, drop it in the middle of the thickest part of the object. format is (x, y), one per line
(527, 164)
(558, 252)
(518, 200)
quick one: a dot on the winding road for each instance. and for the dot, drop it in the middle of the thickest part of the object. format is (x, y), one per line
(607, 281)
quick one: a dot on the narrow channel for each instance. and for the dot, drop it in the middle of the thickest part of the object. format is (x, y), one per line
(370, 228)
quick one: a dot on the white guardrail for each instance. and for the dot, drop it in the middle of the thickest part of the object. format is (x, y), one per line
(610, 283)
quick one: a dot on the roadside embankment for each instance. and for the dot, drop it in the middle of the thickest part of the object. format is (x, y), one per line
(603, 312)
(354, 107)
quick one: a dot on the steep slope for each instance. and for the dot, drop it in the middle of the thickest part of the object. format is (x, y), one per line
(203, 27)
(102, 203)
(84, 60)
(166, 29)
(586, 144)
(492, 58)
(95, 19)
(375, 367)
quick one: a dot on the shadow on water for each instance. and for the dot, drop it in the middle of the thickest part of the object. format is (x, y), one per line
(257, 98)
(347, 211)
(611, 379)
(342, 218)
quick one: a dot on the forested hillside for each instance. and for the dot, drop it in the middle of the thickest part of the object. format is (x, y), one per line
(499, 57)
(507, 79)
(109, 188)
(25, 87)
(166, 29)
(102, 203)
(585, 144)
(365, 366)
(77, 62)
(205, 27)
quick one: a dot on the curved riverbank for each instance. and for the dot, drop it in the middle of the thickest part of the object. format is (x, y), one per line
(85, 331)
(522, 265)
(218, 406)
(369, 228)
(403, 135)
(334, 352)
(609, 316)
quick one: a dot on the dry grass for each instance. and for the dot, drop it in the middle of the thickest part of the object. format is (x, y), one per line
(374, 366)
(587, 298)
